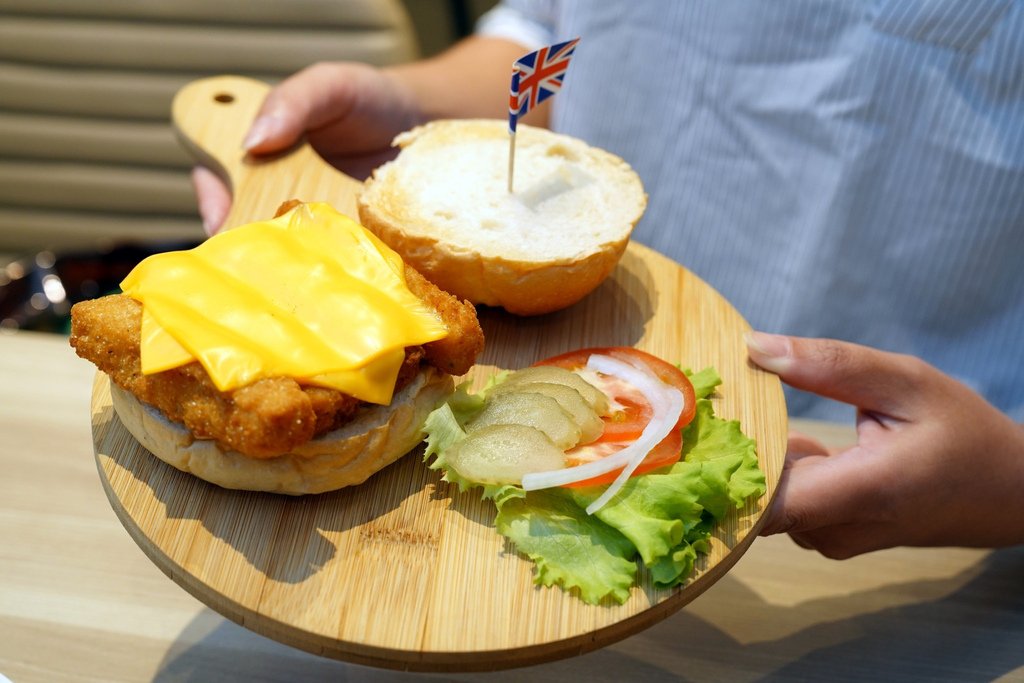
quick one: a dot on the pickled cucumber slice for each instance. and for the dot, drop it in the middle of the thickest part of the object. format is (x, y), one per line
(532, 410)
(502, 454)
(583, 414)
(555, 375)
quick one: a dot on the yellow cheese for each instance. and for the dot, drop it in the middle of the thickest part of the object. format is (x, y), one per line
(310, 295)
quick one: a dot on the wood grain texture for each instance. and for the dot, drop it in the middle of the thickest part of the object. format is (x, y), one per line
(403, 571)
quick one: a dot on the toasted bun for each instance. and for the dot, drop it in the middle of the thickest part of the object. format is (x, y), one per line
(349, 455)
(444, 205)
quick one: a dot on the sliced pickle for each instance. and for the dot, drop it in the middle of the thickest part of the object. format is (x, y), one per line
(532, 410)
(555, 375)
(502, 454)
(585, 417)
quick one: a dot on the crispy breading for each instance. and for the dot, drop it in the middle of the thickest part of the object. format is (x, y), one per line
(456, 353)
(270, 416)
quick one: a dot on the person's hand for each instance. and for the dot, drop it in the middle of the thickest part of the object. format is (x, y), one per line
(348, 112)
(934, 463)
(351, 112)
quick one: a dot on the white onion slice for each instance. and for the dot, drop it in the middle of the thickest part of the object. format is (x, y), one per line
(667, 404)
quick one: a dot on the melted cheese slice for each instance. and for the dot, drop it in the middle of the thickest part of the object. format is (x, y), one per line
(310, 295)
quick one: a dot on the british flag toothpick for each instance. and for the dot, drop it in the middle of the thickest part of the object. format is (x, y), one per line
(535, 77)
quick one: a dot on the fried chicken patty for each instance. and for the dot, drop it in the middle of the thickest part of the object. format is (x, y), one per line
(270, 416)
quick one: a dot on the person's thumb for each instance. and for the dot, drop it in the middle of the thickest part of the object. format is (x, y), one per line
(306, 101)
(272, 132)
(872, 380)
(280, 122)
(299, 103)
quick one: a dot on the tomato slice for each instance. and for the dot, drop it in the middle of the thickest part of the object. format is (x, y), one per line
(666, 453)
(632, 413)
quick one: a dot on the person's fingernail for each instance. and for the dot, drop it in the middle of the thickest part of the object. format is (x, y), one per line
(260, 132)
(773, 352)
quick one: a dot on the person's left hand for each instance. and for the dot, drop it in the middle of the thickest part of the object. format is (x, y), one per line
(934, 463)
(348, 112)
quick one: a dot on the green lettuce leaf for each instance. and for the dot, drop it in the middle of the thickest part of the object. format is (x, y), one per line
(733, 474)
(652, 511)
(669, 569)
(704, 382)
(665, 518)
(465, 405)
(569, 547)
(442, 429)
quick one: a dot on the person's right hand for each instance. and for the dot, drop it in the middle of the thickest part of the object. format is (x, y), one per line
(348, 112)
(935, 464)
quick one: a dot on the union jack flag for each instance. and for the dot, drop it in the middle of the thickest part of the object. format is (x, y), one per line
(536, 77)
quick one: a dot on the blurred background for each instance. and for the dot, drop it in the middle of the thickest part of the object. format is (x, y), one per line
(92, 179)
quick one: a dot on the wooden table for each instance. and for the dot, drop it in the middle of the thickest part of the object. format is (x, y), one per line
(80, 602)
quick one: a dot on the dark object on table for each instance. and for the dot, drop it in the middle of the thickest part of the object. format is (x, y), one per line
(37, 291)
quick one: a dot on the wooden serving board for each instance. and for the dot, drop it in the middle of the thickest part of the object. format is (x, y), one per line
(404, 571)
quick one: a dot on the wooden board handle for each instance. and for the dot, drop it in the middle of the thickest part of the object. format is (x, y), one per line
(212, 117)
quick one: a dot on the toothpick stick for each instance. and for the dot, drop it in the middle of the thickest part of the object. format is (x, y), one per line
(511, 158)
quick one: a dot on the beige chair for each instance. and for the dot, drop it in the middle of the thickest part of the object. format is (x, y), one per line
(87, 156)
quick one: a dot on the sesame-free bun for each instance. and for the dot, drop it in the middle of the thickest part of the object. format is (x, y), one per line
(444, 205)
(378, 436)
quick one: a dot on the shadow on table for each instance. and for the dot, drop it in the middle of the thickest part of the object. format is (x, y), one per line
(923, 641)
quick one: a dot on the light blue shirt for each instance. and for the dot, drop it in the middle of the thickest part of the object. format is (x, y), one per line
(835, 168)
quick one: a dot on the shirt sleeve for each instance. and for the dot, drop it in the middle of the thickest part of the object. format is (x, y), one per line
(529, 22)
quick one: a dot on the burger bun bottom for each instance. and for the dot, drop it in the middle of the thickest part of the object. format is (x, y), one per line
(377, 437)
